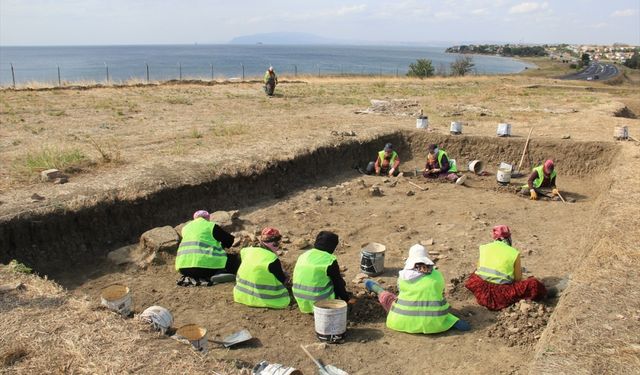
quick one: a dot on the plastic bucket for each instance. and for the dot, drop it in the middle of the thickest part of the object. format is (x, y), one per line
(266, 368)
(330, 318)
(372, 259)
(422, 122)
(621, 132)
(116, 297)
(476, 166)
(158, 317)
(196, 335)
(504, 130)
(503, 175)
(456, 127)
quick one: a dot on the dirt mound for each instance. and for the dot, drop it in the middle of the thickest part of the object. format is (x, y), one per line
(521, 324)
(367, 309)
(625, 112)
(457, 291)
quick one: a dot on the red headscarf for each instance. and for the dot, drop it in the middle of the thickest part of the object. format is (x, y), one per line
(500, 231)
(548, 166)
(270, 235)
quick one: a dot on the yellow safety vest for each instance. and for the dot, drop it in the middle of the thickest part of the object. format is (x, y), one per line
(538, 181)
(255, 285)
(452, 167)
(394, 156)
(310, 280)
(421, 306)
(198, 248)
(496, 263)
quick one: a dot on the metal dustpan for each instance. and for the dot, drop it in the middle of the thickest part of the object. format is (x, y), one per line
(234, 338)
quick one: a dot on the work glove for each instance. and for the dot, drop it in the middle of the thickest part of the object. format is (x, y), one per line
(534, 195)
(555, 192)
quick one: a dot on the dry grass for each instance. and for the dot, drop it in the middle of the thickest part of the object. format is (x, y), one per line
(45, 330)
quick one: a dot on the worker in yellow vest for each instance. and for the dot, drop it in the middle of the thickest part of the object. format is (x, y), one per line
(201, 254)
(421, 306)
(542, 181)
(316, 275)
(260, 281)
(386, 164)
(497, 282)
(439, 165)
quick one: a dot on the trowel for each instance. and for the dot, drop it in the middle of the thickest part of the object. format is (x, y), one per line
(234, 338)
(324, 369)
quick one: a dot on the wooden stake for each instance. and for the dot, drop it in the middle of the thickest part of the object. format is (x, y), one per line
(418, 186)
(524, 151)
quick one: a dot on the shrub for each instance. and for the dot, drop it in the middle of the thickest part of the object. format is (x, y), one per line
(421, 68)
(462, 66)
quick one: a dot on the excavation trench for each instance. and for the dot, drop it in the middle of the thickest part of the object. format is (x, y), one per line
(53, 241)
(304, 195)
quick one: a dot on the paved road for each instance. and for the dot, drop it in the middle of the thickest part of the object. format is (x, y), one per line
(595, 71)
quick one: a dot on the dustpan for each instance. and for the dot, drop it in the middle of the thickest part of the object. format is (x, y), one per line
(234, 338)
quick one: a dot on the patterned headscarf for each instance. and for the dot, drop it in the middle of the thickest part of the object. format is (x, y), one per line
(201, 213)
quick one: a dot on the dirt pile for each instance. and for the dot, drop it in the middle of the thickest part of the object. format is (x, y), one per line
(521, 324)
(395, 107)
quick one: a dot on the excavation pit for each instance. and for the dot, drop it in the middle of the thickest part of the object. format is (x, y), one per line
(455, 219)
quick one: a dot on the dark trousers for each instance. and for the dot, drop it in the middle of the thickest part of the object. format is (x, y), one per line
(233, 263)
(371, 169)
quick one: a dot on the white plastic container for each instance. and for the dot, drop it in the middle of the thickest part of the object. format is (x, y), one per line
(372, 259)
(503, 176)
(266, 368)
(422, 122)
(116, 297)
(456, 127)
(330, 318)
(504, 130)
(196, 335)
(158, 317)
(476, 166)
(621, 132)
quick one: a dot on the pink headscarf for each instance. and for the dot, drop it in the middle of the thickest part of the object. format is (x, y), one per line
(548, 166)
(201, 213)
(500, 231)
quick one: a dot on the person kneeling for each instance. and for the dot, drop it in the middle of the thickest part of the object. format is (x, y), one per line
(260, 281)
(420, 306)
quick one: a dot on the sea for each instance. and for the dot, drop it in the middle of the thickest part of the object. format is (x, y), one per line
(120, 64)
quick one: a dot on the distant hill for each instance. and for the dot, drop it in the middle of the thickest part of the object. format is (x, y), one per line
(284, 38)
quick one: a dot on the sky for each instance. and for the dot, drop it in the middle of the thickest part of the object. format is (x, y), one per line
(117, 22)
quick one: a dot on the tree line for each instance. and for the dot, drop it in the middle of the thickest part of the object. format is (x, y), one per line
(424, 67)
(496, 49)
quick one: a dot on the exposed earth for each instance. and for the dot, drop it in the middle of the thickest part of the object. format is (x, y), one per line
(305, 183)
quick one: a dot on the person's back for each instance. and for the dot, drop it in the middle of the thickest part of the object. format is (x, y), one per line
(310, 280)
(255, 285)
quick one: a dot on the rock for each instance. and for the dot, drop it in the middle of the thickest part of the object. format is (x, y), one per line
(386, 180)
(524, 307)
(61, 180)
(301, 243)
(35, 197)
(393, 184)
(361, 183)
(244, 238)
(160, 239)
(428, 242)
(433, 252)
(225, 219)
(285, 239)
(50, 175)
(123, 255)
(316, 197)
(361, 276)
(410, 193)
(375, 191)
(566, 137)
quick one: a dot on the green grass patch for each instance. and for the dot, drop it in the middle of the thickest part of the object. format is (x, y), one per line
(68, 160)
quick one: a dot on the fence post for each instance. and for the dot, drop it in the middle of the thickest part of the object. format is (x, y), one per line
(180, 70)
(59, 81)
(107, 67)
(13, 76)
(318, 70)
(147, 72)
(242, 71)
(295, 70)
(211, 71)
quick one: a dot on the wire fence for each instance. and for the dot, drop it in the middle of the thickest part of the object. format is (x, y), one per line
(13, 74)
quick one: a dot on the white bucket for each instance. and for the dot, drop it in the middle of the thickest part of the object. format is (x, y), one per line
(158, 317)
(422, 122)
(476, 166)
(372, 259)
(621, 132)
(116, 297)
(456, 127)
(196, 335)
(266, 368)
(503, 176)
(330, 317)
(504, 130)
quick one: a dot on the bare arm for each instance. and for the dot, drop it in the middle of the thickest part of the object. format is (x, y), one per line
(517, 269)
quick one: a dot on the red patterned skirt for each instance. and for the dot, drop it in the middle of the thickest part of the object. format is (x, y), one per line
(499, 296)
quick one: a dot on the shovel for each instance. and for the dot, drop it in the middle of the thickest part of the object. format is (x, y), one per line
(234, 338)
(324, 369)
